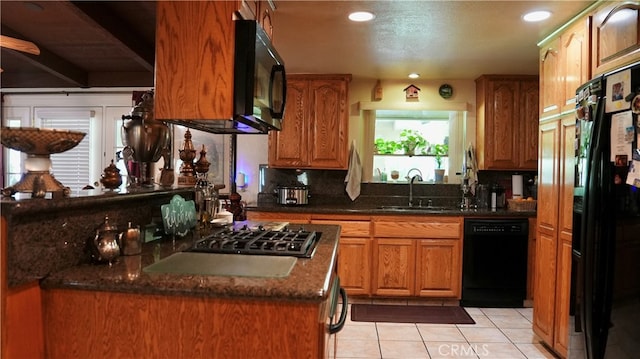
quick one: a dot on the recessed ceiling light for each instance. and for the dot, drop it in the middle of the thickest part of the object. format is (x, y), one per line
(414, 75)
(361, 16)
(536, 16)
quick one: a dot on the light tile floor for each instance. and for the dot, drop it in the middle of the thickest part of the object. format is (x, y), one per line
(498, 333)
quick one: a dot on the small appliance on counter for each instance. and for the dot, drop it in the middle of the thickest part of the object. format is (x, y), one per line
(292, 195)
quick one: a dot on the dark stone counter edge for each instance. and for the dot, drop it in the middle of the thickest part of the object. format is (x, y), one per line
(40, 205)
(364, 210)
(308, 281)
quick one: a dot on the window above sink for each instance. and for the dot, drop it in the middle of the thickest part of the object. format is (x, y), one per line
(437, 127)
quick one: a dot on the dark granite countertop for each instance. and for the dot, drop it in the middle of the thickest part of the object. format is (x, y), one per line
(377, 210)
(308, 281)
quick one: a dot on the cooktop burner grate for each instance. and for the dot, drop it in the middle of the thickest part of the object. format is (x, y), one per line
(263, 242)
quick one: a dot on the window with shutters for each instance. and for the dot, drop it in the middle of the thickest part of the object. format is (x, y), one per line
(70, 167)
(99, 115)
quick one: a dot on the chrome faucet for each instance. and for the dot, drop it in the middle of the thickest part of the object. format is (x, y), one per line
(416, 177)
(408, 177)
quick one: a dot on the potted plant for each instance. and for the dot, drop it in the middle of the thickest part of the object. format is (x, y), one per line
(385, 147)
(412, 140)
(440, 150)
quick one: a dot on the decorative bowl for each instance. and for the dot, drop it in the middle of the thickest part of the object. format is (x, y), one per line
(40, 141)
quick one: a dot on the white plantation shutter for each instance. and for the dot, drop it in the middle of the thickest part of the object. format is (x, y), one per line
(71, 168)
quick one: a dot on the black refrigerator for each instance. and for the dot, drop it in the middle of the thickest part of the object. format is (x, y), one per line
(605, 298)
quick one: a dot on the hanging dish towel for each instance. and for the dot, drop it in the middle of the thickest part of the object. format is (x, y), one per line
(472, 169)
(354, 175)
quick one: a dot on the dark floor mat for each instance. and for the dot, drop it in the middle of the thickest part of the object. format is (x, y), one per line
(410, 314)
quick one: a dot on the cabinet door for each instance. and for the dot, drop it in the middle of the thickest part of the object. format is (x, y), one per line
(567, 174)
(548, 187)
(544, 286)
(501, 126)
(302, 218)
(550, 79)
(287, 147)
(562, 300)
(575, 62)
(354, 256)
(527, 135)
(438, 266)
(329, 124)
(616, 36)
(194, 84)
(394, 266)
(354, 265)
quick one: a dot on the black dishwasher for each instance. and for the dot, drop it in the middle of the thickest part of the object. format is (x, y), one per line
(494, 263)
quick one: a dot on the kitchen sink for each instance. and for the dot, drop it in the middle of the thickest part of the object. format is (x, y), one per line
(416, 208)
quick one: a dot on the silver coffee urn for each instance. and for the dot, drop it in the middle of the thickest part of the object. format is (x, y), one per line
(145, 141)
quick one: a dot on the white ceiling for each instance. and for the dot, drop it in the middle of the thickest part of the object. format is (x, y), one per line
(438, 39)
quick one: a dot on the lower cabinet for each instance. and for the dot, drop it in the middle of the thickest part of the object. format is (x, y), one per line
(354, 251)
(392, 256)
(417, 256)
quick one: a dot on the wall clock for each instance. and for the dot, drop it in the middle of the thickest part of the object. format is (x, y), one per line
(446, 91)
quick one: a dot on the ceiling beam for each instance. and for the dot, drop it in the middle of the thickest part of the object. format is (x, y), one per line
(100, 13)
(50, 62)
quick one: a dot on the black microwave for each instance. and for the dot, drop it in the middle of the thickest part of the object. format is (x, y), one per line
(260, 87)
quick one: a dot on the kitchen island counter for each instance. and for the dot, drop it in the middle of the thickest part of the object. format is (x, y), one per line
(308, 280)
(120, 311)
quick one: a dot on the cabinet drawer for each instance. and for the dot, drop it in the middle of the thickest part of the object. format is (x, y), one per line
(417, 230)
(349, 228)
(279, 216)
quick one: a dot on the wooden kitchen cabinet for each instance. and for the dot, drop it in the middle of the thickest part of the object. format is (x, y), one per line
(417, 256)
(564, 66)
(507, 122)
(259, 10)
(315, 125)
(575, 61)
(300, 218)
(193, 84)
(354, 253)
(550, 79)
(554, 232)
(616, 36)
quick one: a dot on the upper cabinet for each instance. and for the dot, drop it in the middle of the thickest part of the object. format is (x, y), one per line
(507, 122)
(616, 35)
(564, 65)
(194, 59)
(315, 125)
(261, 11)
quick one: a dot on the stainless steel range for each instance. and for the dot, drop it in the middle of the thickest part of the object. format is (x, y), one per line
(300, 243)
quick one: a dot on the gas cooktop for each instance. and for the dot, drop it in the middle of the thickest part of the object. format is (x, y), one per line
(287, 242)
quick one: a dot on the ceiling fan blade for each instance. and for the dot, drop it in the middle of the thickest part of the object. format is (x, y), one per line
(20, 45)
